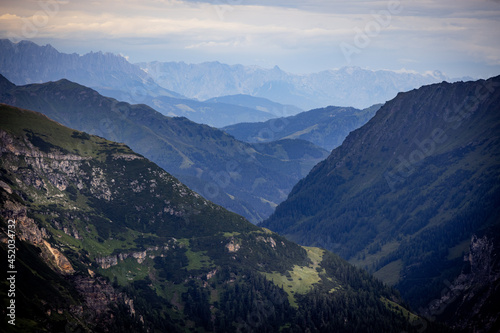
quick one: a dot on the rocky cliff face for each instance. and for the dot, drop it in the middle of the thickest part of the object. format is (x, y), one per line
(99, 299)
(470, 302)
(42, 174)
(51, 65)
(151, 253)
(27, 229)
(26, 62)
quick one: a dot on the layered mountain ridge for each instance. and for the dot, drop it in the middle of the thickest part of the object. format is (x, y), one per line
(258, 103)
(347, 86)
(177, 89)
(26, 62)
(248, 179)
(325, 127)
(112, 75)
(108, 241)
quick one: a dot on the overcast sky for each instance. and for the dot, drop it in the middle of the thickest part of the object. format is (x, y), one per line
(458, 37)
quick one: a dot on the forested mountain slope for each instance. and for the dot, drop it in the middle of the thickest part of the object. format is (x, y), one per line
(405, 193)
(247, 179)
(108, 241)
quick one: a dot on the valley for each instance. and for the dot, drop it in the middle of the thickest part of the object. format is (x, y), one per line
(136, 249)
(406, 194)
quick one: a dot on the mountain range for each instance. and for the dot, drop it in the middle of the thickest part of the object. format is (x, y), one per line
(179, 89)
(408, 194)
(325, 127)
(107, 241)
(26, 62)
(347, 86)
(112, 75)
(248, 179)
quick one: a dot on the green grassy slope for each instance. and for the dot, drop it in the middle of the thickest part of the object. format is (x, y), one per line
(115, 243)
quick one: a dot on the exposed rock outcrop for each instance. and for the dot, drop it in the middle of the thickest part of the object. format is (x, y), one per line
(27, 230)
(99, 295)
(470, 302)
(140, 256)
(233, 245)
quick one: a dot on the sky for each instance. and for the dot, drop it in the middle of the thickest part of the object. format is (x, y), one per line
(458, 37)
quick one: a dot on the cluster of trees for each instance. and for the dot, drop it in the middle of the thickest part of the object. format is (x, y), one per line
(245, 301)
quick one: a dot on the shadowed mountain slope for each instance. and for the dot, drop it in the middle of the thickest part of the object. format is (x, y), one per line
(234, 174)
(405, 193)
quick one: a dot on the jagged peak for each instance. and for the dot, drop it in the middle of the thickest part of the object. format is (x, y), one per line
(5, 84)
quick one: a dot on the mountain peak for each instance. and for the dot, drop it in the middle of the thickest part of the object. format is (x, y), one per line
(5, 84)
(347, 86)
(350, 69)
(26, 62)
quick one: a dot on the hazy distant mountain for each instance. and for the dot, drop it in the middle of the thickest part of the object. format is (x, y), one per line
(326, 127)
(248, 179)
(405, 194)
(26, 62)
(348, 86)
(257, 103)
(213, 114)
(112, 75)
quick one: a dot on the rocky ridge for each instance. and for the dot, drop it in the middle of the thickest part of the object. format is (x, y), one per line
(208, 160)
(347, 86)
(468, 303)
